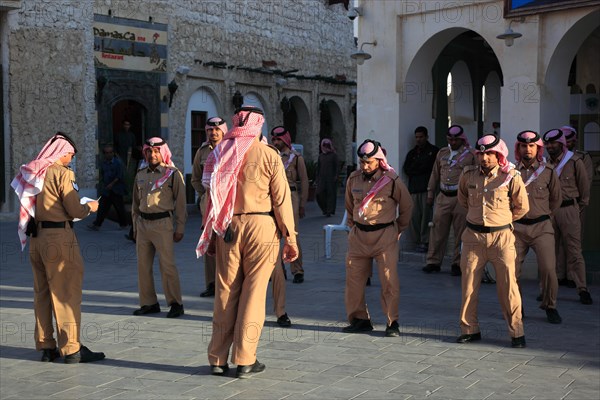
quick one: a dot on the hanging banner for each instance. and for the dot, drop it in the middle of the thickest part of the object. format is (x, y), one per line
(123, 43)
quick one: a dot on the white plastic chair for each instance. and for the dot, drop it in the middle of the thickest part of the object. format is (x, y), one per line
(329, 228)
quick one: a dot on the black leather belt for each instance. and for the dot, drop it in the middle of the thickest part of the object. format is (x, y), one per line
(531, 221)
(51, 224)
(155, 216)
(449, 193)
(293, 189)
(486, 229)
(567, 203)
(372, 228)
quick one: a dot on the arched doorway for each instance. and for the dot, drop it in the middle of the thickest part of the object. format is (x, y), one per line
(332, 127)
(297, 120)
(132, 113)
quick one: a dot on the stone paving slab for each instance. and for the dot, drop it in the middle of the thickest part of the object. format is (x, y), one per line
(156, 358)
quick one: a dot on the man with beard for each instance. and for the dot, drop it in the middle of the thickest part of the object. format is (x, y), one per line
(494, 195)
(575, 196)
(535, 230)
(215, 128)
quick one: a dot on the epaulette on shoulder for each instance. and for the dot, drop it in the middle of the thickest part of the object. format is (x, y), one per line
(272, 148)
(514, 172)
(581, 153)
(354, 174)
(469, 168)
(203, 145)
(172, 167)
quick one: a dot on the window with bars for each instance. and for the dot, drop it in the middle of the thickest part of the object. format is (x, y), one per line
(198, 131)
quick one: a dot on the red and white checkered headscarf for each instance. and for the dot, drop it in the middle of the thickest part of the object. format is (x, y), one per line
(556, 135)
(529, 137)
(221, 173)
(216, 122)
(162, 145)
(372, 149)
(327, 146)
(569, 132)
(30, 180)
(282, 134)
(492, 143)
(457, 131)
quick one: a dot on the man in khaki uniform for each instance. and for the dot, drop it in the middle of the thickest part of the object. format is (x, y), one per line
(215, 128)
(48, 192)
(535, 230)
(575, 196)
(249, 211)
(295, 171)
(159, 192)
(379, 209)
(494, 196)
(448, 165)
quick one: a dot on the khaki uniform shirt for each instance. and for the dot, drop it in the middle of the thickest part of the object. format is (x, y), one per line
(197, 170)
(444, 173)
(573, 180)
(490, 202)
(169, 197)
(262, 187)
(296, 175)
(391, 203)
(59, 199)
(588, 162)
(543, 192)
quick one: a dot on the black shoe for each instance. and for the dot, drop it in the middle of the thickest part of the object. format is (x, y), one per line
(455, 270)
(553, 316)
(358, 325)
(585, 297)
(153, 309)
(284, 321)
(469, 337)
(429, 268)
(368, 281)
(567, 282)
(175, 311)
(487, 278)
(518, 342)
(50, 355)
(244, 371)
(219, 369)
(210, 291)
(392, 330)
(84, 355)
(298, 278)
(129, 237)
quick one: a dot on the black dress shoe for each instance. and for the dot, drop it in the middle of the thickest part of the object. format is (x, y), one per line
(210, 290)
(369, 281)
(50, 355)
(518, 342)
(455, 270)
(358, 325)
(244, 371)
(585, 297)
(153, 309)
(392, 330)
(84, 355)
(553, 316)
(284, 321)
(175, 311)
(469, 337)
(298, 278)
(429, 268)
(567, 282)
(219, 369)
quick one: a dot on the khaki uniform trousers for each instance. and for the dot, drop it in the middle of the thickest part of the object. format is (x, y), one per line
(421, 216)
(540, 238)
(567, 229)
(278, 282)
(499, 249)
(446, 211)
(57, 287)
(296, 265)
(243, 270)
(152, 237)
(383, 246)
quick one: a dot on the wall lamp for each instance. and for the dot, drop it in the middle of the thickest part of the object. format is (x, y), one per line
(360, 56)
(237, 100)
(354, 13)
(172, 86)
(509, 35)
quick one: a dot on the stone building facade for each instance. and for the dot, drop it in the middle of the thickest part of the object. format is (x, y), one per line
(81, 67)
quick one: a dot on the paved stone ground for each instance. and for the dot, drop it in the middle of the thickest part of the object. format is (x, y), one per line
(158, 358)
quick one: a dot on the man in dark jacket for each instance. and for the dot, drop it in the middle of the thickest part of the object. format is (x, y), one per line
(418, 166)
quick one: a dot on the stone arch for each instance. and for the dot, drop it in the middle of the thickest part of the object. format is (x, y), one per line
(335, 129)
(554, 110)
(297, 120)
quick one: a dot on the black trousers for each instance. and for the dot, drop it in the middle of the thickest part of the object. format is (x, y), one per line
(106, 201)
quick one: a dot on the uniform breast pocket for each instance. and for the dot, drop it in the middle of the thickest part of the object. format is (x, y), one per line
(474, 197)
(500, 199)
(540, 192)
